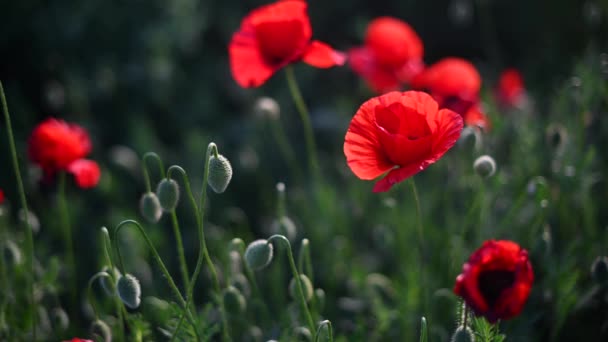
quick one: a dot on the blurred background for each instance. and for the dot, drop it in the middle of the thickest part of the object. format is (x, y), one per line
(154, 76)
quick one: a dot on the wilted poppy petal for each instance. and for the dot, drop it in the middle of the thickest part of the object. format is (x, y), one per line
(321, 55)
(86, 173)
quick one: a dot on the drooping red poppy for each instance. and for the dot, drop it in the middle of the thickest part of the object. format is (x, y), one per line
(57, 146)
(496, 280)
(399, 132)
(511, 89)
(272, 36)
(392, 54)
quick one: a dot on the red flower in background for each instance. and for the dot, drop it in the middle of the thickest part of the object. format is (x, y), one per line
(57, 146)
(272, 36)
(497, 280)
(76, 339)
(455, 84)
(392, 54)
(1, 196)
(511, 89)
(399, 132)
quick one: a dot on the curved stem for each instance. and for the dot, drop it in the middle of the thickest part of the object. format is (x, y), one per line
(68, 239)
(29, 236)
(107, 248)
(306, 123)
(90, 286)
(423, 330)
(330, 331)
(174, 222)
(296, 276)
(160, 263)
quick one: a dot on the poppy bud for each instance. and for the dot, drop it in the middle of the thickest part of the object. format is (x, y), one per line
(129, 290)
(599, 270)
(101, 329)
(234, 301)
(266, 107)
(156, 310)
(60, 319)
(463, 334)
(485, 166)
(303, 334)
(220, 173)
(168, 194)
(285, 226)
(149, 206)
(258, 254)
(320, 297)
(306, 287)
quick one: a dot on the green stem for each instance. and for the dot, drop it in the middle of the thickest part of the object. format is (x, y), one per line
(90, 286)
(29, 236)
(330, 331)
(418, 212)
(306, 123)
(174, 222)
(296, 276)
(160, 263)
(423, 330)
(284, 148)
(68, 240)
(107, 248)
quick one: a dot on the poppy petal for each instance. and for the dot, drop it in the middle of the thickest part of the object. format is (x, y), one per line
(246, 61)
(450, 125)
(362, 146)
(86, 173)
(379, 79)
(399, 174)
(321, 55)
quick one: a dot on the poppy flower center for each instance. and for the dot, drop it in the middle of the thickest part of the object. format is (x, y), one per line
(280, 41)
(493, 283)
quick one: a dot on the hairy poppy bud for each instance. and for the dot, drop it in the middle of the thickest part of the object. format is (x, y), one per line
(303, 334)
(106, 282)
(60, 319)
(306, 287)
(234, 301)
(101, 329)
(129, 290)
(168, 194)
(258, 254)
(220, 173)
(267, 107)
(599, 270)
(149, 207)
(463, 334)
(485, 166)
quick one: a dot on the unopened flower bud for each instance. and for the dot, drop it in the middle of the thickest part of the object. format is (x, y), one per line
(258, 254)
(463, 334)
(102, 330)
(168, 194)
(303, 334)
(60, 319)
(220, 173)
(485, 166)
(599, 270)
(306, 287)
(266, 107)
(234, 301)
(129, 291)
(149, 207)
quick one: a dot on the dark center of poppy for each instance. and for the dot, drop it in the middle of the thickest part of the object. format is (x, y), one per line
(493, 283)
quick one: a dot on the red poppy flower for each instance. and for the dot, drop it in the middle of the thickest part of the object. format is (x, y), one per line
(76, 339)
(56, 145)
(86, 172)
(392, 54)
(511, 88)
(497, 280)
(1, 196)
(402, 133)
(273, 36)
(476, 118)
